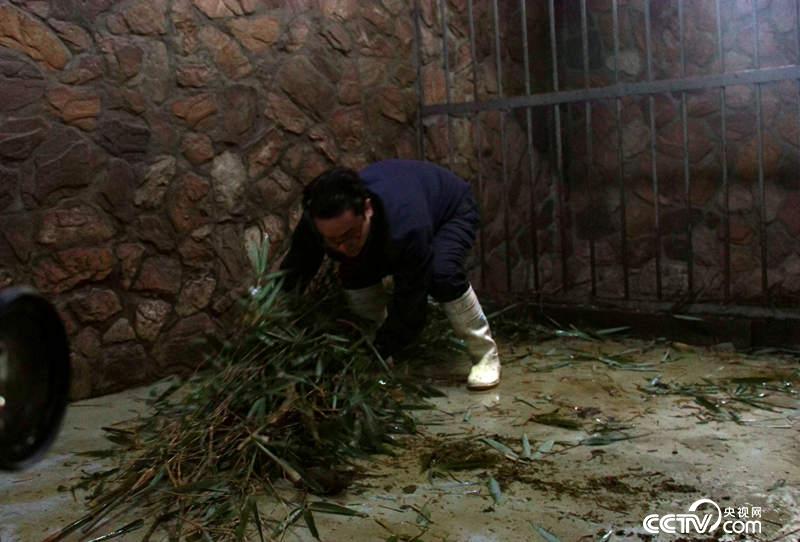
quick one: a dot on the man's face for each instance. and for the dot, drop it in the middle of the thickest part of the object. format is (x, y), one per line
(348, 232)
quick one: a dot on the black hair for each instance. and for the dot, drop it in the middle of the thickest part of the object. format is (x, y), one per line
(334, 192)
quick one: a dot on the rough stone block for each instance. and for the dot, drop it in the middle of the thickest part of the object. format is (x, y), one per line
(95, 305)
(151, 315)
(20, 31)
(160, 275)
(74, 224)
(188, 204)
(195, 295)
(306, 86)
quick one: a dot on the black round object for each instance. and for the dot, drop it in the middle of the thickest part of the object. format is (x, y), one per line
(34, 376)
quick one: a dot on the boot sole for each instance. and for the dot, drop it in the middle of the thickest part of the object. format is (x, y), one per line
(483, 387)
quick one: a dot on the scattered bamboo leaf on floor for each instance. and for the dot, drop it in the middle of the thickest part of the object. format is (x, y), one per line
(423, 515)
(611, 330)
(551, 367)
(552, 419)
(333, 508)
(494, 490)
(524, 402)
(257, 519)
(544, 448)
(290, 519)
(499, 312)
(574, 333)
(724, 399)
(459, 455)
(705, 403)
(526, 447)
(778, 484)
(546, 535)
(625, 364)
(129, 528)
(500, 447)
(97, 453)
(310, 523)
(688, 317)
(604, 439)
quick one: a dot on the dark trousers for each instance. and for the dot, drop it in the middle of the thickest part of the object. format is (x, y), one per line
(450, 247)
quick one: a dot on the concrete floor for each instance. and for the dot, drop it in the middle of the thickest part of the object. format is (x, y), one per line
(575, 491)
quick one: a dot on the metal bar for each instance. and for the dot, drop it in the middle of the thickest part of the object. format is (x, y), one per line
(503, 145)
(686, 171)
(761, 187)
(797, 61)
(661, 86)
(653, 155)
(797, 57)
(448, 90)
(589, 149)
(667, 308)
(478, 137)
(726, 218)
(620, 157)
(559, 151)
(553, 48)
(529, 133)
(420, 91)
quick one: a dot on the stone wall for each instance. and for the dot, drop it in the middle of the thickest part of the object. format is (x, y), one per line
(142, 141)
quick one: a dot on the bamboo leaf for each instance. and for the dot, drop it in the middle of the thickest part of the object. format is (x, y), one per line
(526, 447)
(129, 528)
(241, 528)
(332, 508)
(290, 520)
(604, 439)
(546, 535)
(574, 333)
(98, 453)
(291, 472)
(705, 403)
(258, 409)
(546, 446)
(494, 490)
(257, 518)
(612, 330)
(554, 420)
(500, 447)
(688, 317)
(312, 527)
(524, 402)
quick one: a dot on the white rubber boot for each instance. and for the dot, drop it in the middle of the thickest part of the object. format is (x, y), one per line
(470, 324)
(369, 303)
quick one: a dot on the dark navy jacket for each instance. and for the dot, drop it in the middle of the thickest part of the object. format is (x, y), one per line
(412, 200)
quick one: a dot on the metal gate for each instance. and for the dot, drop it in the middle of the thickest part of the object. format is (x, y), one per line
(680, 248)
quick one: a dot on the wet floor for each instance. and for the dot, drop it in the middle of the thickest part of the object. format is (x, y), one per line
(581, 441)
